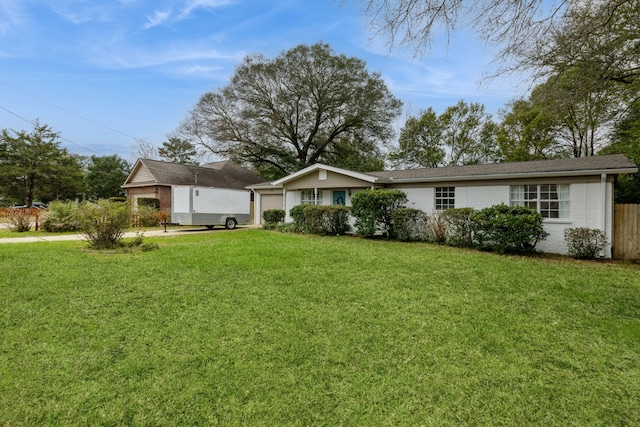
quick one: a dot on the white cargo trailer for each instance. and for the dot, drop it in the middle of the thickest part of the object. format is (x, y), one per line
(194, 205)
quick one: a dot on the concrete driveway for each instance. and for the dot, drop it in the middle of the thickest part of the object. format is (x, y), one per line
(147, 233)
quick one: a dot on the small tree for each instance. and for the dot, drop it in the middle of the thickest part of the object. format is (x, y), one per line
(103, 223)
(372, 210)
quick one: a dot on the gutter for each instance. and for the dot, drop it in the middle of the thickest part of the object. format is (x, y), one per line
(595, 172)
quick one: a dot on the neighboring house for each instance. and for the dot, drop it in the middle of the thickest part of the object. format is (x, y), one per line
(154, 178)
(576, 192)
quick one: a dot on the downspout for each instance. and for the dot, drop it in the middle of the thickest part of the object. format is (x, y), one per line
(604, 207)
(284, 202)
(257, 201)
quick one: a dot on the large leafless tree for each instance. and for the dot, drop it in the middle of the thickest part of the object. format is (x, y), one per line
(540, 35)
(307, 105)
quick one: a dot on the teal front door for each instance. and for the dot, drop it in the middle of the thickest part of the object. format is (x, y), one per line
(339, 197)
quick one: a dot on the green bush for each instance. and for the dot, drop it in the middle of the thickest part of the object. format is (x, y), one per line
(410, 224)
(372, 210)
(62, 217)
(584, 243)
(507, 229)
(117, 199)
(326, 220)
(103, 223)
(297, 214)
(458, 224)
(272, 217)
(148, 216)
(150, 202)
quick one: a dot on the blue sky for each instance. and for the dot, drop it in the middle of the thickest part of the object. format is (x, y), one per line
(105, 72)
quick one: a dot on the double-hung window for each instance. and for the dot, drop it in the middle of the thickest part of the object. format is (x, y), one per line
(445, 198)
(550, 200)
(312, 197)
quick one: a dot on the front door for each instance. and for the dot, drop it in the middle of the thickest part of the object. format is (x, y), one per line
(339, 197)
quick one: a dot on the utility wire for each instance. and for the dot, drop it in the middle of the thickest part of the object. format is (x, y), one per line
(33, 123)
(70, 112)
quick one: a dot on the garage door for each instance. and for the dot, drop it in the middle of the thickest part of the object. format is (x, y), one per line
(270, 201)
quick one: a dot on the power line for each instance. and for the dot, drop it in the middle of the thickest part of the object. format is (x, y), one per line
(70, 112)
(33, 124)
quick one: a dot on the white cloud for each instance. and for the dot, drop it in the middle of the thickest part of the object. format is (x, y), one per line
(11, 15)
(157, 19)
(125, 57)
(81, 14)
(192, 5)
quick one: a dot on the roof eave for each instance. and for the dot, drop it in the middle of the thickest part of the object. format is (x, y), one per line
(357, 175)
(617, 171)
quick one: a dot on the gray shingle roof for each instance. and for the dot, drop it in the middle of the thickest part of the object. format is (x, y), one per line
(224, 174)
(613, 162)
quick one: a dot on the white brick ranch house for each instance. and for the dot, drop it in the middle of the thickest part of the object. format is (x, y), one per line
(569, 193)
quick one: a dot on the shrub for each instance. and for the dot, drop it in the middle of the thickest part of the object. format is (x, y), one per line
(458, 226)
(410, 224)
(150, 202)
(507, 229)
(62, 217)
(584, 243)
(436, 228)
(19, 219)
(297, 214)
(103, 223)
(372, 210)
(148, 216)
(272, 217)
(326, 220)
(117, 199)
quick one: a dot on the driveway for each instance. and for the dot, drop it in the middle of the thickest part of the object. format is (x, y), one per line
(147, 233)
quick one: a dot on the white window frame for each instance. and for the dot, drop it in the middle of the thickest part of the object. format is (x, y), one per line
(552, 201)
(445, 198)
(311, 197)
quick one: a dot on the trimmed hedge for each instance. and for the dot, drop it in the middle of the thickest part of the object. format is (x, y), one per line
(372, 210)
(272, 217)
(297, 214)
(326, 220)
(507, 229)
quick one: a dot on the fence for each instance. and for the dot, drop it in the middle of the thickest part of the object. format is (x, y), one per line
(7, 213)
(626, 232)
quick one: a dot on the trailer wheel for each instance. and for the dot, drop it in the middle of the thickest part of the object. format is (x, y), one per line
(230, 223)
(210, 227)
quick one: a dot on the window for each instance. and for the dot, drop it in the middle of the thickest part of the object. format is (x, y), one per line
(313, 197)
(445, 198)
(551, 200)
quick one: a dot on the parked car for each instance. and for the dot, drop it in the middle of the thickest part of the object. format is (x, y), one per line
(37, 205)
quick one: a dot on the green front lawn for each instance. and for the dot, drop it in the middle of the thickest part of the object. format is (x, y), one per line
(262, 328)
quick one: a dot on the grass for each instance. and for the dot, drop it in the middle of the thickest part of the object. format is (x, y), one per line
(263, 328)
